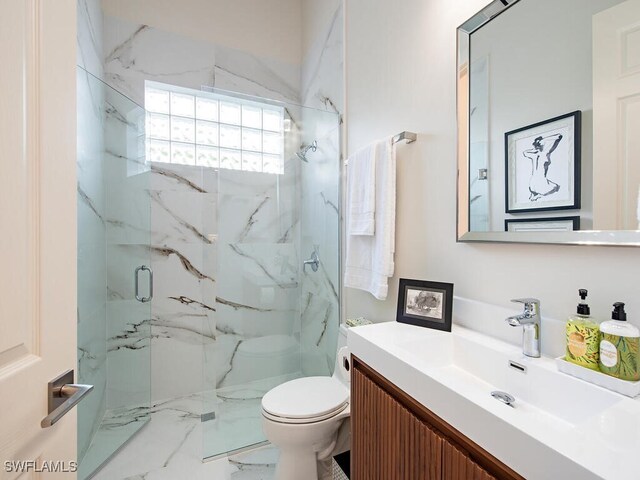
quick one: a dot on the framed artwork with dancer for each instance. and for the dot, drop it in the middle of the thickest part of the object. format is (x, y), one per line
(542, 165)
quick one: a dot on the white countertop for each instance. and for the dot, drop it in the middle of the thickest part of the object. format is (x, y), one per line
(583, 436)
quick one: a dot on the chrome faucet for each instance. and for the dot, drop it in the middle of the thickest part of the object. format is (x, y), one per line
(529, 320)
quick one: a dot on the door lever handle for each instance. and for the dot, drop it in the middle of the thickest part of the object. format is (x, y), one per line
(63, 395)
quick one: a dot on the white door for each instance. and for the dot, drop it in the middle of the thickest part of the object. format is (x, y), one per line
(616, 117)
(38, 225)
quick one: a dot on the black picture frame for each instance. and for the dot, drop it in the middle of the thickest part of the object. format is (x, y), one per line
(575, 222)
(570, 123)
(433, 309)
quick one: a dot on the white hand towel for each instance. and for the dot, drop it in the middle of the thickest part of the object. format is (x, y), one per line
(369, 258)
(361, 202)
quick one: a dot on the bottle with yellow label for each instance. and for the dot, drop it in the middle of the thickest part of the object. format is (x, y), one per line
(619, 346)
(583, 336)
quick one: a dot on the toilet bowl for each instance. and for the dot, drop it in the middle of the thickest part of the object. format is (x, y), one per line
(302, 418)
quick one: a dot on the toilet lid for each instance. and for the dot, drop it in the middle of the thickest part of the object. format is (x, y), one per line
(306, 398)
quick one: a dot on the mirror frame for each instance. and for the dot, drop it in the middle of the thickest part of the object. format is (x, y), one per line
(463, 234)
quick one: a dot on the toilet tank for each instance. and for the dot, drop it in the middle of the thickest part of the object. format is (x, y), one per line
(342, 336)
(342, 370)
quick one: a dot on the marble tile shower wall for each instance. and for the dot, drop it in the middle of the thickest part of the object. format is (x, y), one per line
(127, 183)
(253, 251)
(92, 354)
(134, 53)
(257, 303)
(322, 88)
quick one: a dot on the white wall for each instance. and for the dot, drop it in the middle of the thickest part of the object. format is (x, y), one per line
(270, 29)
(401, 64)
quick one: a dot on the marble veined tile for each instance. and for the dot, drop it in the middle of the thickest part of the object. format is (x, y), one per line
(128, 214)
(318, 313)
(219, 357)
(128, 352)
(92, 369)
(122, 260)
(90, 140)
(183, 178)
(238, 424)
(178, 271)
(183, 217)
(257, 207)
(256, 321)
(181, 331)
(91, 276)
(134, 53)
(258, 265)
(236, 415)
(258, 464)
(161, 217)
(242, 72)
(116, 427)
(322, 81)
(170, 447)
(173, 429)
(89, 41)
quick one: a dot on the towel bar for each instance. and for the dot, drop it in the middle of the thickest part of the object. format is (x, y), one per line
(410, 137)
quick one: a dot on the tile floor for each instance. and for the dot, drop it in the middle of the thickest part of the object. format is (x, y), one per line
(170, 447)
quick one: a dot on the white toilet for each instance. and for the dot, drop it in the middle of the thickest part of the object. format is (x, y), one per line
(302, 418)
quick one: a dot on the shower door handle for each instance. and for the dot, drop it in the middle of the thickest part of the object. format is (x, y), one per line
(63, 395)
(136, 279)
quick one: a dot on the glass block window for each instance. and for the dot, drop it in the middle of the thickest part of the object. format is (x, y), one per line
(211, 130)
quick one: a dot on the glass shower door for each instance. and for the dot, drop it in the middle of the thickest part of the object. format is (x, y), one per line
(274, 321)
(114, 276)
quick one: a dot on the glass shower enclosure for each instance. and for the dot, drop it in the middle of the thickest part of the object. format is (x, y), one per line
(276, 256)
(233, 202)
(114, 328)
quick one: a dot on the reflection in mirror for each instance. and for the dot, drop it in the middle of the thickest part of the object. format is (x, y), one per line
(549, 107)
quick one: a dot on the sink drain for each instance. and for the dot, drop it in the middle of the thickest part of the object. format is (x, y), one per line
(504, 397)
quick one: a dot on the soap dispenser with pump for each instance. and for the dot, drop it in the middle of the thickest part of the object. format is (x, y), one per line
(583, 336)
(619, 344)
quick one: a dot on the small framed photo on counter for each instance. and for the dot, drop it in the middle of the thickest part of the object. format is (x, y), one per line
(425, 304)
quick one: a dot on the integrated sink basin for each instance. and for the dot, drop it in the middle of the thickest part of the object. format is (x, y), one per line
(477, 364)
(558, 426)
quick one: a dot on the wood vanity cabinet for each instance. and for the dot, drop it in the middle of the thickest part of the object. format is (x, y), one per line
(393, 437)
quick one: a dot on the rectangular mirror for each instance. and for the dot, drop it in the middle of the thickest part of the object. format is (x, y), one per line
(549, 122)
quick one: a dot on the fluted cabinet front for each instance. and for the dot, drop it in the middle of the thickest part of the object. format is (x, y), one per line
(394, 437)
(458, 466)
(389, 442)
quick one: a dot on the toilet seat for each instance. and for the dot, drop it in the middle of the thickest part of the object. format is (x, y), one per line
(305, 400)
(300, 421)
